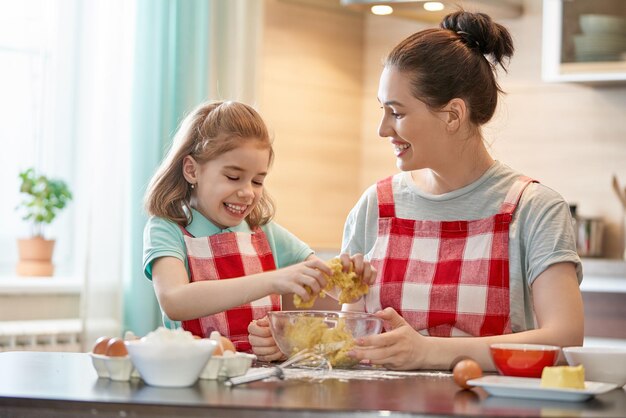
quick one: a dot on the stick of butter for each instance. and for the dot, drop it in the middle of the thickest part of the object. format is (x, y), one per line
(572, 377)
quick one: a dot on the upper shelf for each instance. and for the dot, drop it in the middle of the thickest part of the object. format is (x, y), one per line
(584, 41)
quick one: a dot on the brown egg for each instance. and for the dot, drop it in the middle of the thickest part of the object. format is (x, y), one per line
(466, 370)
(100, 347)
(226, 344)
(116, 348)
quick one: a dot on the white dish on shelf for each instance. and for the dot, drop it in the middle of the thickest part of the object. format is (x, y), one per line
(529, 388)
(610, 44)
(596, 23)
(599, 47)
(598, 57)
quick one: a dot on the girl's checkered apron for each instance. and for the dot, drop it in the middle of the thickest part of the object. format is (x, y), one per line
(446, 278)
(226, 256)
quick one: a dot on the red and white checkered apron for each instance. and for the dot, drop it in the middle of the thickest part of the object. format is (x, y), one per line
(226, 256)
(446, 278)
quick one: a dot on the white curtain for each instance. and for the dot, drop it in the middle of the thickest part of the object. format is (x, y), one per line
(85, 124)
(236, 31)
(109, 235)
(188, 51)
(103, 88)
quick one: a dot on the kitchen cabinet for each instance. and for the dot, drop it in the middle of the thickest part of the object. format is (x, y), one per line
(40, 314)
(584, 41)
(604, 297)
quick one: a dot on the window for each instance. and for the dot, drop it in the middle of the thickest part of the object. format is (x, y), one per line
(36, 73)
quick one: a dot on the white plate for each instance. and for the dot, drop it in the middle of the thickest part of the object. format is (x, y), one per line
(524, 387)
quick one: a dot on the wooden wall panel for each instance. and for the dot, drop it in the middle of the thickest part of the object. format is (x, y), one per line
(319, 79)
(377, 155)
(310, 95)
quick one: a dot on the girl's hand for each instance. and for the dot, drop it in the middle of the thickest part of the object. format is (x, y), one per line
(362, 267)
(263, 344)
(401, 348)
(293, 279)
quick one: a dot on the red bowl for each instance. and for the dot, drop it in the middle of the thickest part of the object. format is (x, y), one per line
(523, 360)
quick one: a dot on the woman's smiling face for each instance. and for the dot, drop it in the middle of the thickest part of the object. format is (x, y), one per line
(228, 187)
(415, 131)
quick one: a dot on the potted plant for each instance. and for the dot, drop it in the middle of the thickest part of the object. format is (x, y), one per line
(44, 198)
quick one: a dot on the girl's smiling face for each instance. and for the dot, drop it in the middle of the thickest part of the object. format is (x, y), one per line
(415, 131)
(228, 187)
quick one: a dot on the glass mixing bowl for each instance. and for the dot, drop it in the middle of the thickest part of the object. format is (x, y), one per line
(330, 334)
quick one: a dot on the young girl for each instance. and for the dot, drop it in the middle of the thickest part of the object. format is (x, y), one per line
(211, 221)
(469, 252)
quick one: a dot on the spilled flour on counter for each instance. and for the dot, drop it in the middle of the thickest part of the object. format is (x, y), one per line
(369, 373)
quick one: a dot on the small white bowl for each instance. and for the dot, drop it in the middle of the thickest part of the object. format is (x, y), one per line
(602, 364)
(225, 366)
(170, 363)
(98, 363)
(119, 368)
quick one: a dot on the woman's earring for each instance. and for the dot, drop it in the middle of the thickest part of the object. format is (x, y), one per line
(193, 186)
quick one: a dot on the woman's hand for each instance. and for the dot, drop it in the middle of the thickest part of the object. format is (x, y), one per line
(293, 279)
(400, 348)
(364, 271)
(263, 344)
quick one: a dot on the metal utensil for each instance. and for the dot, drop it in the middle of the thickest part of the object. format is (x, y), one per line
(253, 376)
(306, 357)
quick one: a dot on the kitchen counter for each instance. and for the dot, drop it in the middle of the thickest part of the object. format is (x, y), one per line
(37, 384)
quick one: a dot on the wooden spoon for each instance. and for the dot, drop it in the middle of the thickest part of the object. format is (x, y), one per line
(621, 195)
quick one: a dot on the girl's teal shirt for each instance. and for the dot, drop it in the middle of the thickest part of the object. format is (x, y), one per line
(163, 238)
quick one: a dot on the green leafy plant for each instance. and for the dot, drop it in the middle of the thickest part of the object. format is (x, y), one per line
(44, 199)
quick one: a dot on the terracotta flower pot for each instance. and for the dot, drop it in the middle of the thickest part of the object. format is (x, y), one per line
(35, 257)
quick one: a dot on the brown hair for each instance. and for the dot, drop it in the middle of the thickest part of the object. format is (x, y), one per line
(457, 60)
(208, 131)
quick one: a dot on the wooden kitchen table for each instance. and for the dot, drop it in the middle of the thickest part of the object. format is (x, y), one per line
(36, 384)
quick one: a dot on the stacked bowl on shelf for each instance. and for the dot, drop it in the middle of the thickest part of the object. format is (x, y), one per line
(603, 38)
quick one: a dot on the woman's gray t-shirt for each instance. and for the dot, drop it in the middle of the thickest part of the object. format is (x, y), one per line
(540, 235)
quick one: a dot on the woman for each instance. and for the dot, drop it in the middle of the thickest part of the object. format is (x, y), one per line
(468, 251)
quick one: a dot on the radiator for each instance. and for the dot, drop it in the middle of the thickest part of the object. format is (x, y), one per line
(41, 335)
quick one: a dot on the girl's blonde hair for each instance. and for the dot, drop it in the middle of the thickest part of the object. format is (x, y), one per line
(206, 133)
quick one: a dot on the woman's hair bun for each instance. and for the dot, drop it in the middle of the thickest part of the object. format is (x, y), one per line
(479, 32)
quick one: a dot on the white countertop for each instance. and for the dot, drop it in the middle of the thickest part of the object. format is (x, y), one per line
(39, 285)
(603, 275)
